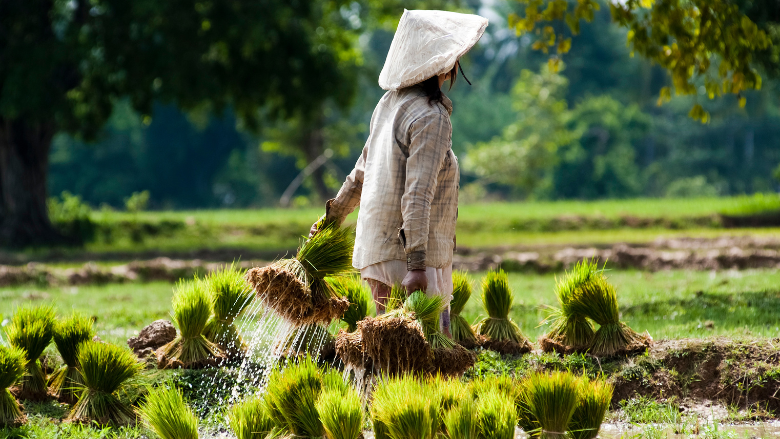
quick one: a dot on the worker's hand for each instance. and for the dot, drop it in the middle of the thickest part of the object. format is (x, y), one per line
(415, 280)
(316, 226)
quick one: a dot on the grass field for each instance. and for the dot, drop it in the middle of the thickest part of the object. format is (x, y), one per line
(669, 304)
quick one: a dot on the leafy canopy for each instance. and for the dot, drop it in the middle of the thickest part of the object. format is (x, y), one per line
(701, 43)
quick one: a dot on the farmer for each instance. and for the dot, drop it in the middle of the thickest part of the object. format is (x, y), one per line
(406, 179)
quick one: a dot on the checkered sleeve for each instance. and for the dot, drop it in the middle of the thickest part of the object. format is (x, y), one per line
(348, 197)
(429, 142)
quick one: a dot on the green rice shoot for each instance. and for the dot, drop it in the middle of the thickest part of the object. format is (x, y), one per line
(497, 300)
(550, 399)
(328, 252)
(292, 396)
(427, 310)
(69, 334)
(496, 416)
(461, 293)
(449, 392)
(166, 413)
(594, 399)
(250, 419)
(462, 420)
(358, 295)
(341, 414)
(230, 295)
(31, 330)
(397, 298)
(406, 408)
(105, 369)
(13, 362)
(191, 312)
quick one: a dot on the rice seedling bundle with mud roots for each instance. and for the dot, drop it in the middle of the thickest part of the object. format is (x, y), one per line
(570, 331)
(166, 413)
(296, 289)
(69, 334)
(405, 339)
(500, 333)
(12, 366)
(230, 295)
(105, 369)
(31, 330)
(597, 300)
(462, 332)
(191, 312)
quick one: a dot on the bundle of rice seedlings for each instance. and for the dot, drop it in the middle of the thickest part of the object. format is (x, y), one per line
(12, 367)
(105, 369)
(462, 332)
(358, 295)
(296, 288)
(250, 419)
(292, 396)
(68, 335)
(500, 332)
(550, 401)
(191, 313)
(593, 403)
(166, 413)
(597, 300)
(570, 331)
(230, 295)
(395, 342)
(462, 420)
(404, 408)
(341, 414)
(496, 417)
(449, 358)
(31, 330)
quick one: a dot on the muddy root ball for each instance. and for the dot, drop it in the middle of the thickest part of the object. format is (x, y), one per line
(281, 290)
(395, 344)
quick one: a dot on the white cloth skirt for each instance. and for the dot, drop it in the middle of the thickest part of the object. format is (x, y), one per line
(393, 273)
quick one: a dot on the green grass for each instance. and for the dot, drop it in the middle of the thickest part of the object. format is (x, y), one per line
(121, 310)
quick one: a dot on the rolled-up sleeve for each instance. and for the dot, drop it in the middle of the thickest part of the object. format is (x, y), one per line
(348, 197)
(429, 141)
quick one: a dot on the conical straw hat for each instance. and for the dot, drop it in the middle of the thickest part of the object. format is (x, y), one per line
(428, 43)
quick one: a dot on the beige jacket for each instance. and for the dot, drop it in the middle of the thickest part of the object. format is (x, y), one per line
(406, 183)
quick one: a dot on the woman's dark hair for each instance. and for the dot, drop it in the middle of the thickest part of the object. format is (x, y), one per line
(431, 85)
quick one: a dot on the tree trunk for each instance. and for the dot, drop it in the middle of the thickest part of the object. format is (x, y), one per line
(24, 163)
(314, 146)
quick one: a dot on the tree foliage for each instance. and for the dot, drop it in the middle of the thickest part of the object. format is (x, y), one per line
(71, 60)
(529, 146)
(701, 43)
